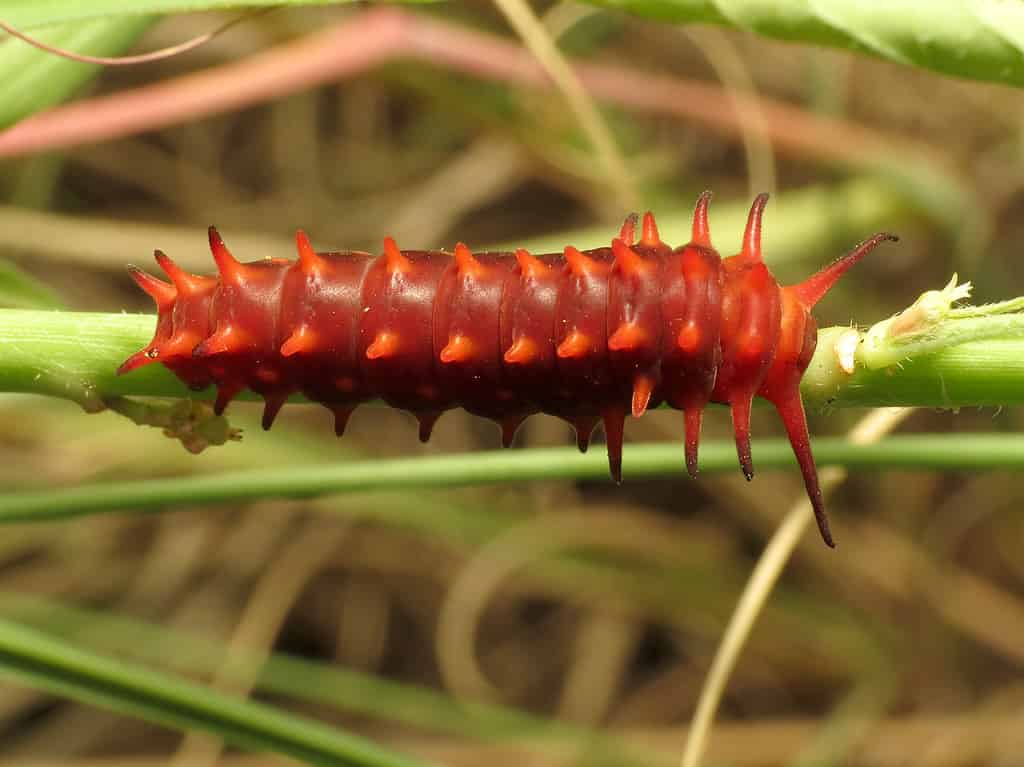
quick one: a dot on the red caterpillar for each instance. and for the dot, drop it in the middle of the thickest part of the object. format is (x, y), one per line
(584, 335)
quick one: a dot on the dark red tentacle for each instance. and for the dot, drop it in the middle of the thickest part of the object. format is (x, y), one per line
(228, 266)
(628, 231)
(791, 410)
(226, 392)
(701, 231)
(693, 417)
(751, 250)
(341, 415)
(649, 232)
(814, 288)
(584, 427)
(272, 406)
(162, 293)
(740, 408)
(509, 426)
(614, 418)
(426, 421)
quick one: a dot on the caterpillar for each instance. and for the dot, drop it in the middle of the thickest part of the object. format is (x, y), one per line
(586, 335)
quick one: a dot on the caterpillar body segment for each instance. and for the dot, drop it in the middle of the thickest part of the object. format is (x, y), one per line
(589, 336)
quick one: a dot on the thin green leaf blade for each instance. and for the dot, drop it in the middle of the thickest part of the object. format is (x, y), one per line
(59, 667)
(20, 290)
(312, 681)
(26, 14)
(35, 80)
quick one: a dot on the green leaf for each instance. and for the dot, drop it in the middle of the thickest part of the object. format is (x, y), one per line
(976, 39)
(34, 80)
(47, 663)
(34, 13)
(20, 290)
(981, 40)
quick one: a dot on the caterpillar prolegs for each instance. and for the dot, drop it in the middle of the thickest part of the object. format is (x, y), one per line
(588, 336)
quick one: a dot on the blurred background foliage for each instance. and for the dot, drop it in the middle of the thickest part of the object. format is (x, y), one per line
(462, 625)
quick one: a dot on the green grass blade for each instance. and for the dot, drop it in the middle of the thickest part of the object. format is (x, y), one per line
(35, 13)
(20, 290)
(301, 679)
(34, 80)
(988, 451)
(43, 662)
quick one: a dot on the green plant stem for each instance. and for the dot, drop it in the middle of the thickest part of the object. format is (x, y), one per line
(975, 374)
(54, 665)
(75, 355)
(987, 451)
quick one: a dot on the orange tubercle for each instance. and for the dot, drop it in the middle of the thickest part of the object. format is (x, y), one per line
(385, 344)
(689, 338)
(308, 258)
(522, 351)
(459, 349)
(396, 262)
(530, 266)
(575, 345)
(579, 264)
(649, 232)
(629, 261)
(627, 337)
(224, 341)
(467, 263)
(303, 340)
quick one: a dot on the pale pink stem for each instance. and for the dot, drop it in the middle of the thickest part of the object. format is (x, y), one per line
(384, 34)
(346, 49)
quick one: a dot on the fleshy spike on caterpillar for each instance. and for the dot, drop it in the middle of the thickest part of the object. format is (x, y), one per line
(589, 336)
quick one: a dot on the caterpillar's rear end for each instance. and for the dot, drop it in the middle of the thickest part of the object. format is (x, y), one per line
(589, 336)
